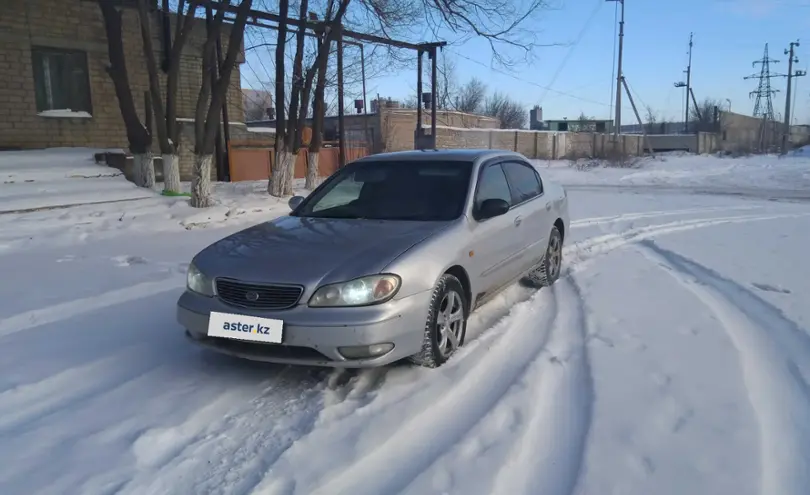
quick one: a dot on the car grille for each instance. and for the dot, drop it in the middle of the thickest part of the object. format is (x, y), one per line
(258, 296)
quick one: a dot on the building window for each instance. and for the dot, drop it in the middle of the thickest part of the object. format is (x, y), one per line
(61, 80)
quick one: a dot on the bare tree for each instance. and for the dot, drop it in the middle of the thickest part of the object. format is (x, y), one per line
(446, 83)
(508, 25)
(499, 21)
(138, 137)
(651, 121)
(511, 113)
(411, 103)
(280, 183)
(215, 81)
(701, 117)
(470, 97)
(333, 27)
(290, 118)
(166, 112)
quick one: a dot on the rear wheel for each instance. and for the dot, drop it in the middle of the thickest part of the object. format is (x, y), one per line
(549, 269)
(446, 323)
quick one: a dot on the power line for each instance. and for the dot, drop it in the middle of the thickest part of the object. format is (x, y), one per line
(542, 86)
(635, 93)
(581, 34)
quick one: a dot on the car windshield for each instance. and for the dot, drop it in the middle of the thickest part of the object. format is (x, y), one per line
(410, 190)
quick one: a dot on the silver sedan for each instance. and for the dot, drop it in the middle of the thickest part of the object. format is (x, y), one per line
(383, 261)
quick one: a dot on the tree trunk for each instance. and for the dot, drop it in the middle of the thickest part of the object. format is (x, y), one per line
(171, 173)
(138, 137)
(201, 182)
(143, 170)
(280, 183)
(312, 170)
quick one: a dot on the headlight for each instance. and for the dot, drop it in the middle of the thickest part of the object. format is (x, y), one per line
(363, 291)
(199, 283)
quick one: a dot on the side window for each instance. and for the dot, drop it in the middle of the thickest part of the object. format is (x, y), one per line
(524, 180)
(492, 185)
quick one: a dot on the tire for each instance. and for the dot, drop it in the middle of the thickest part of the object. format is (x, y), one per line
(548, 271)
(437, 346)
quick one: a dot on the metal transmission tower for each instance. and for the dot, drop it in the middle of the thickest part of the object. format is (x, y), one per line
(763, 106)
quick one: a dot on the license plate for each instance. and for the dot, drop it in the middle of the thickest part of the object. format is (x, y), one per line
(243, 327)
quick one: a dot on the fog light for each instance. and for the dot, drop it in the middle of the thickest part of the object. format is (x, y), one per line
(365, 351)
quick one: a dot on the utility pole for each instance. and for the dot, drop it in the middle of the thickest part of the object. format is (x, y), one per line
(688, 84)
(790, 75)
(618, 119)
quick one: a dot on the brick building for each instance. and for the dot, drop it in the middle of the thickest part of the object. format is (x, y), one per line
(53, 57)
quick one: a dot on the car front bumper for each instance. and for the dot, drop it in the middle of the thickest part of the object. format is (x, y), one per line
(312, 336)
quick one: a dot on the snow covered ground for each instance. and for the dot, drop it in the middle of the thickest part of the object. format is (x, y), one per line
(757, 176)
(672, 358)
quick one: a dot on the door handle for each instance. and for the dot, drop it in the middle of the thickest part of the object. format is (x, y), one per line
(548, 206)
(517, 221)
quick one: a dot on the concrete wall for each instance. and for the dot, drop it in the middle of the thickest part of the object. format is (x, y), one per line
(397, 127)
(799, 135)
(707, 142)
(77, 25)
(673, 142)
(546, 145)
(745, 134)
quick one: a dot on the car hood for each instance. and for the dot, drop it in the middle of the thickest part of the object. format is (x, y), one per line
(312, 251)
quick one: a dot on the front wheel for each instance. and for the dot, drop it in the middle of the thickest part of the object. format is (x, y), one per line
(446, 323)
(549, 269)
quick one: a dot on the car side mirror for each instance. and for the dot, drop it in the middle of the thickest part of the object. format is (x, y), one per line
(295, 201)
(492, 208)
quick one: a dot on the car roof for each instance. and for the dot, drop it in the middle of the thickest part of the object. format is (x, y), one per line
(465, 155)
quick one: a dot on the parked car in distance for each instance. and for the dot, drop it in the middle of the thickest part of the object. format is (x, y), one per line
(384, 261)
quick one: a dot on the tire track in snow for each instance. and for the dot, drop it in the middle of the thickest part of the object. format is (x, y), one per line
(227, 446)
(460, 366)
(548, 454)
(26, 404)
(426, 435)
(222, 447)
(775, 358)
(78, 307)
(584, 252)
(589, 222)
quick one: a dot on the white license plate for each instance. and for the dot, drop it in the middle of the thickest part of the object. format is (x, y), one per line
(243, 327)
